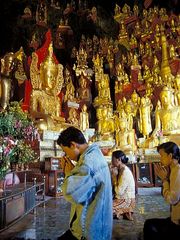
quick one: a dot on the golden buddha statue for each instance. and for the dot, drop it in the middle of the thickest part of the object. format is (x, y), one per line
(133, 41)
(172, 52)
(137, 29)
(135, 100)
(105, 123)
(119, 106)
(147, 75)
(73, 117)
(136, 10)
(6, 90)
(46, 85)
(135, 63)
(69, 88)
(117, 13)
(129, 113)
(156, 71)
(126, 11)
(145, 109)
(104, 95)
(20, 74)
(149, 90)
(84, 118)
(167, 118)
(84, 92)
(123, 34)
(125, 138)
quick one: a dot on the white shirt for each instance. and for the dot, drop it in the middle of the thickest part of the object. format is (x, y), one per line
(125, 188)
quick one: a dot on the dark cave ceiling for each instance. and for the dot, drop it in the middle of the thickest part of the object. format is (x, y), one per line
(12, 9)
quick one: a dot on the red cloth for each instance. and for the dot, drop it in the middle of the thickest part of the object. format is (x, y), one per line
(43, 51)
(28, 89)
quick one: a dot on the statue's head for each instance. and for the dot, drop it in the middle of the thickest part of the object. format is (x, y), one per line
(49, 69)
(166, 97)
(7, 63)
(135, 97)
(84, 108)
(128, 107)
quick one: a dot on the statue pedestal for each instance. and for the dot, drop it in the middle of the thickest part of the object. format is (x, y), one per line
(48, 145)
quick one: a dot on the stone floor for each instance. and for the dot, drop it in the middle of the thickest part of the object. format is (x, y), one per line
(51, 220)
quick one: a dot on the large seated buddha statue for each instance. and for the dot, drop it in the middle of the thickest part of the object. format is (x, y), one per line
(167, 118)
(46, 86)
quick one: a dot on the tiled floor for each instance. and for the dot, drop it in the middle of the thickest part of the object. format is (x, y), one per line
(51, 221)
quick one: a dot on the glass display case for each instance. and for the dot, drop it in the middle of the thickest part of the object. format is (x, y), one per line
(144, 175)
(52, 163)
(55, 181)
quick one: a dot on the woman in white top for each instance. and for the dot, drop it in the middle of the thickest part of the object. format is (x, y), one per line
(123, 186)
(169, 172)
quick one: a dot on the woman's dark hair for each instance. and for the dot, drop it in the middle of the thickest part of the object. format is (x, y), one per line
(170, 147)
(71, 134)
(120, 155)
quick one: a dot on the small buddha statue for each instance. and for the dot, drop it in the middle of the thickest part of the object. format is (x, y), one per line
(149, 90)
(69, 88)
(84, 92)
(147, 75)
(145, 109)
(135, 100)
(84, 118)
(73, 117)
(167, 118)
(7, 66)
(46, 85)
(20, 74)
(121, 133)
(137, 29)
(136, 10)
(125, 139)
(123, 34)
(133, 41)
(156, 70)
(103, 90)
(126, 11)
(172, 52)
(126, 79)
(119, 105)
(129, 113)
(105, 124)
(135, 63)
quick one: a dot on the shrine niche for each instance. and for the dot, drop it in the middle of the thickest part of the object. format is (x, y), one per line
(64, 35)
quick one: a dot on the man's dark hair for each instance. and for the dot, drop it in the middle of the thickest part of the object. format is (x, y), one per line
(71, 134)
